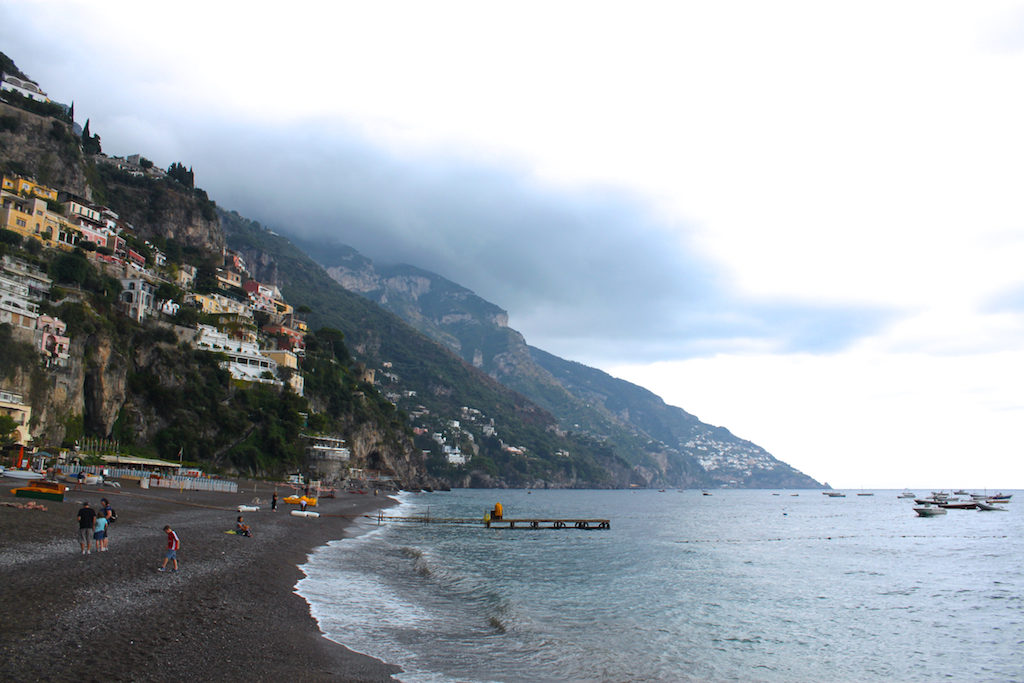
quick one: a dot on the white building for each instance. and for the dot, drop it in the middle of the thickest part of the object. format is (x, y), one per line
(327, 455)
(23, 87)
(245, 362)
(139, 298)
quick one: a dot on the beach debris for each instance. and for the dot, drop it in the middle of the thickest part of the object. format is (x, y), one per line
(30, 505)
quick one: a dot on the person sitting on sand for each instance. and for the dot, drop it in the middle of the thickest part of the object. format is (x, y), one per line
(241, 528)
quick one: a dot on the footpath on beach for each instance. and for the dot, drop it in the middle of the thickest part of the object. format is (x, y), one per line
(229, 613)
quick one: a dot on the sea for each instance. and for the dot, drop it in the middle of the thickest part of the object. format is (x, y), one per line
(737, 585)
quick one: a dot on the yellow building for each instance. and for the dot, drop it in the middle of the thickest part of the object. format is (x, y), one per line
(23, 186)
(14, 405)
(30, 217)
(218, 305)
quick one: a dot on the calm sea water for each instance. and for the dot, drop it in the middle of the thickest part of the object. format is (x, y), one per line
(736, 586)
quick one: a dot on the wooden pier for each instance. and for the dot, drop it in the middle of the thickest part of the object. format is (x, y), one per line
(503, 523)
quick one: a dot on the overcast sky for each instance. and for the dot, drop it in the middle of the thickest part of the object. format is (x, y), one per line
(798, 220)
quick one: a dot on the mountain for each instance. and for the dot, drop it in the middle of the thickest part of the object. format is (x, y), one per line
(422, 378)
(666, 445)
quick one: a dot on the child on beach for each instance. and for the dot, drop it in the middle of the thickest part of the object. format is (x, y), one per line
(241, 528)
(172, 550)
(99, 533)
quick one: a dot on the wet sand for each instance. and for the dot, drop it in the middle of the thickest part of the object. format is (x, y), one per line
(230, 613)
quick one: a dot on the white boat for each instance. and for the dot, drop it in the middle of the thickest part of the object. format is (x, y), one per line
(929, 511)
(989, 507)
(23, 474)
(907, 494)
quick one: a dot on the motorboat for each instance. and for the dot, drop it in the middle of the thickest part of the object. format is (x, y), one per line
(26, 475)
(929, 511)
(907, 494)
(960, 492)
(989, 507)
(834, 494)
(1000, 498)
(960, 505)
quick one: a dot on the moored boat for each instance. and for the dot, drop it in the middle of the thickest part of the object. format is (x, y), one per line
(989, 507)
(929, 511)
(959, 505)
(907, 494)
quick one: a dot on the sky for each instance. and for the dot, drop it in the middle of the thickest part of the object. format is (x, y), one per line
(798, 220)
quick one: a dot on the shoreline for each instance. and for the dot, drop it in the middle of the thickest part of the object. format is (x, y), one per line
(230, 613)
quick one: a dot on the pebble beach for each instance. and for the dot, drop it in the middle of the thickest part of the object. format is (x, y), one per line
(229, 614)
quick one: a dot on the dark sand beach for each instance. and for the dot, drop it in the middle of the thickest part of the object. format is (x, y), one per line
(230, 613)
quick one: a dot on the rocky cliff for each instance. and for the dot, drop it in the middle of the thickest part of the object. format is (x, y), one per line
(44, 148)
(664, 445)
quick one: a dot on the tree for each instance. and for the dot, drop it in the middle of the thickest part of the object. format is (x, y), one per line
(73, 268)
(90, 143)
(8, 427)
(177, 172)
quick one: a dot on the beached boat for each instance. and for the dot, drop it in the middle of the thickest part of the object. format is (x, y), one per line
(929, 511)
(297, 500)
(23, 474)
(45, 490)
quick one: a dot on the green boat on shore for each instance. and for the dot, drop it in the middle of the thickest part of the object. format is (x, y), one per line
(46, 490)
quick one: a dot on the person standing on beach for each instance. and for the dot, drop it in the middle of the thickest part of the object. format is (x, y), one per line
(99, 533)
(172, 550)
(79, 480)
(273, 502)
(86, 524)
(107, 513)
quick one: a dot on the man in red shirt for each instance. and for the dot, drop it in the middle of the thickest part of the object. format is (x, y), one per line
(172, 550)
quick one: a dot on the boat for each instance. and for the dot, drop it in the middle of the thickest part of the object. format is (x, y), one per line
(960, 505)
(834, 494)
(989, 507)
(929, 511)
(23, 474)
(297, 500)
(960, 492)
(865, 494)
(907, 494)
(1000, 498)
(45, 490)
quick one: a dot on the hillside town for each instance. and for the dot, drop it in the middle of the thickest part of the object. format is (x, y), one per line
(246, 320)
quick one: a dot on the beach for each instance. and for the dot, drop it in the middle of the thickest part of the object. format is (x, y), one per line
(229, 613)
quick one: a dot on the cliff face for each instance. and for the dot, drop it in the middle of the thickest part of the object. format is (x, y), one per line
(162, 207)
(662, 444)
(43, 148)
